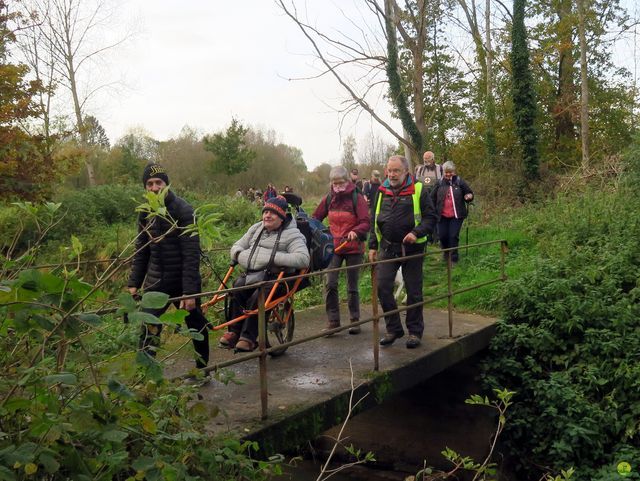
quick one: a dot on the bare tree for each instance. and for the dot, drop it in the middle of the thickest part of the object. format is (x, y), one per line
(584, 87)
(374, 151)
(70, 42)
(375, 54)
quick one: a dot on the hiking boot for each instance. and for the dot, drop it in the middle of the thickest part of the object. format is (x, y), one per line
(390, 337)
(413, 341)
(245, 345)
(228, 340)
(331, 325)
(354, 329)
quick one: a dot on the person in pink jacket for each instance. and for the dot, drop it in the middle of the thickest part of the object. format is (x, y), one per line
(348, 215)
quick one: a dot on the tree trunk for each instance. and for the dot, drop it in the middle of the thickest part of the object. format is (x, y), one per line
(490, 105)
(584, 87)
(564, 108)
(77, 107)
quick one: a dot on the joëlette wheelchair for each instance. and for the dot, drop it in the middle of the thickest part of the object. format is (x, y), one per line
(279, 308)
(279, 312)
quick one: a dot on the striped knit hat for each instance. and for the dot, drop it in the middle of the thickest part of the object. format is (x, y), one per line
(278, 205)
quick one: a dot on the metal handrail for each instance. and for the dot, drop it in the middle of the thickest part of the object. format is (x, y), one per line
(262, 351)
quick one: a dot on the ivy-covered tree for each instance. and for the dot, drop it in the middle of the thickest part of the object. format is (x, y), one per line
(524, 99)
(232, 155)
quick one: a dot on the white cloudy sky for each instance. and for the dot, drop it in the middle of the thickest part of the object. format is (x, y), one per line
(200, 63)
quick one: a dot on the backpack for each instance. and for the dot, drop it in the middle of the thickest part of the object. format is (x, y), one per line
(354, 198)
(319, 240)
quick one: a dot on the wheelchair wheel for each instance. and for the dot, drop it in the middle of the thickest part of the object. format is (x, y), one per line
(280, 325)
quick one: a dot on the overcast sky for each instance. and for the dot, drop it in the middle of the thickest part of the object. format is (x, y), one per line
(200, 63)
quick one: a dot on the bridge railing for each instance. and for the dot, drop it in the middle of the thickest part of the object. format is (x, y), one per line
(262, 350)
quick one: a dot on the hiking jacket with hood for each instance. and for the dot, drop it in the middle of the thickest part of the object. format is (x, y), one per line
(291, 252)
(396, 218)
(344, 218)
(456, 187)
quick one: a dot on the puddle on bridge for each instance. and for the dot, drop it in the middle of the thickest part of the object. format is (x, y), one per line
(307, 380)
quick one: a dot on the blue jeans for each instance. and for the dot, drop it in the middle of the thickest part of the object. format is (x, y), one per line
(449, 233)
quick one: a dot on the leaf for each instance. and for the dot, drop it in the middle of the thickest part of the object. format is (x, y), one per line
(7, 474)
(62, 378)
(43, 322)
(127, 301)
(118, 388)
(193, 334)
(76, 246)
(149, 425)
(91, 319)
(154, 300)
(49, 463)
(114, 435)
(143, 463)
(143, 317)
(174, 317)
(15, 404)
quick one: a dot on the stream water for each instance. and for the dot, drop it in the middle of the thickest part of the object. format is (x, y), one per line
(409, 429)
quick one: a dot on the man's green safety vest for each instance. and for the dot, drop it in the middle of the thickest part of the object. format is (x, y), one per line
(417, 213)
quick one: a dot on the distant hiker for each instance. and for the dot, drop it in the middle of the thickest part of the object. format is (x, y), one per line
(450, 197)
(168, 260)
(429, 172)
(269, 193)
(349, 224)
(403, 216)
(370, 188)
(355, 178)
(273, 243)
(288, 189)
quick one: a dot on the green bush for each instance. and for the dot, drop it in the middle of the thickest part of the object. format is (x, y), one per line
(569, 340)
(101, 205)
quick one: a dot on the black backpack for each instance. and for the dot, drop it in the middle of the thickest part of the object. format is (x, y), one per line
(317, 235)
(319, 240)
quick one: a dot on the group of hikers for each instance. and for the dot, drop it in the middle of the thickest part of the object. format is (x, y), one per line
(261, 197)
(395, 214)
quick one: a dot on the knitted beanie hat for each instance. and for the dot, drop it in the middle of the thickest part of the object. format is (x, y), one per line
(278, 205)
(154, 171)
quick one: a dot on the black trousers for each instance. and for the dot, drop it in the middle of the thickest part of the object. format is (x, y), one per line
(247, 299)
(412, 275)
(150, 333)
(449, 233)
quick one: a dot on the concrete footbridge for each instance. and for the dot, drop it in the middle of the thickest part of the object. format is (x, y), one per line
(309, 388)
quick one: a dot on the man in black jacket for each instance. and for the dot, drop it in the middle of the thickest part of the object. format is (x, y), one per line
(403, 215)
(168, 260)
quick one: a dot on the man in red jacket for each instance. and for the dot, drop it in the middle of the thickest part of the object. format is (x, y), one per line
(348, 215)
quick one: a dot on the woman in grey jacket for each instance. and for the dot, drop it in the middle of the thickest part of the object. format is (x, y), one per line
(268, 246)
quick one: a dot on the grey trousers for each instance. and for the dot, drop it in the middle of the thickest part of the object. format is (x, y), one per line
(331, 296)
(412, 275)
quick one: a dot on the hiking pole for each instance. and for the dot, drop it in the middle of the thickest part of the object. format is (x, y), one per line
(466, 252)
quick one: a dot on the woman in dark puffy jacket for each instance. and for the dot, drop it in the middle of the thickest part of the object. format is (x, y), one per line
(348, 215)
(450, 198)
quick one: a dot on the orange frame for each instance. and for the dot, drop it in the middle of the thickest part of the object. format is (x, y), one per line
(269, 304)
